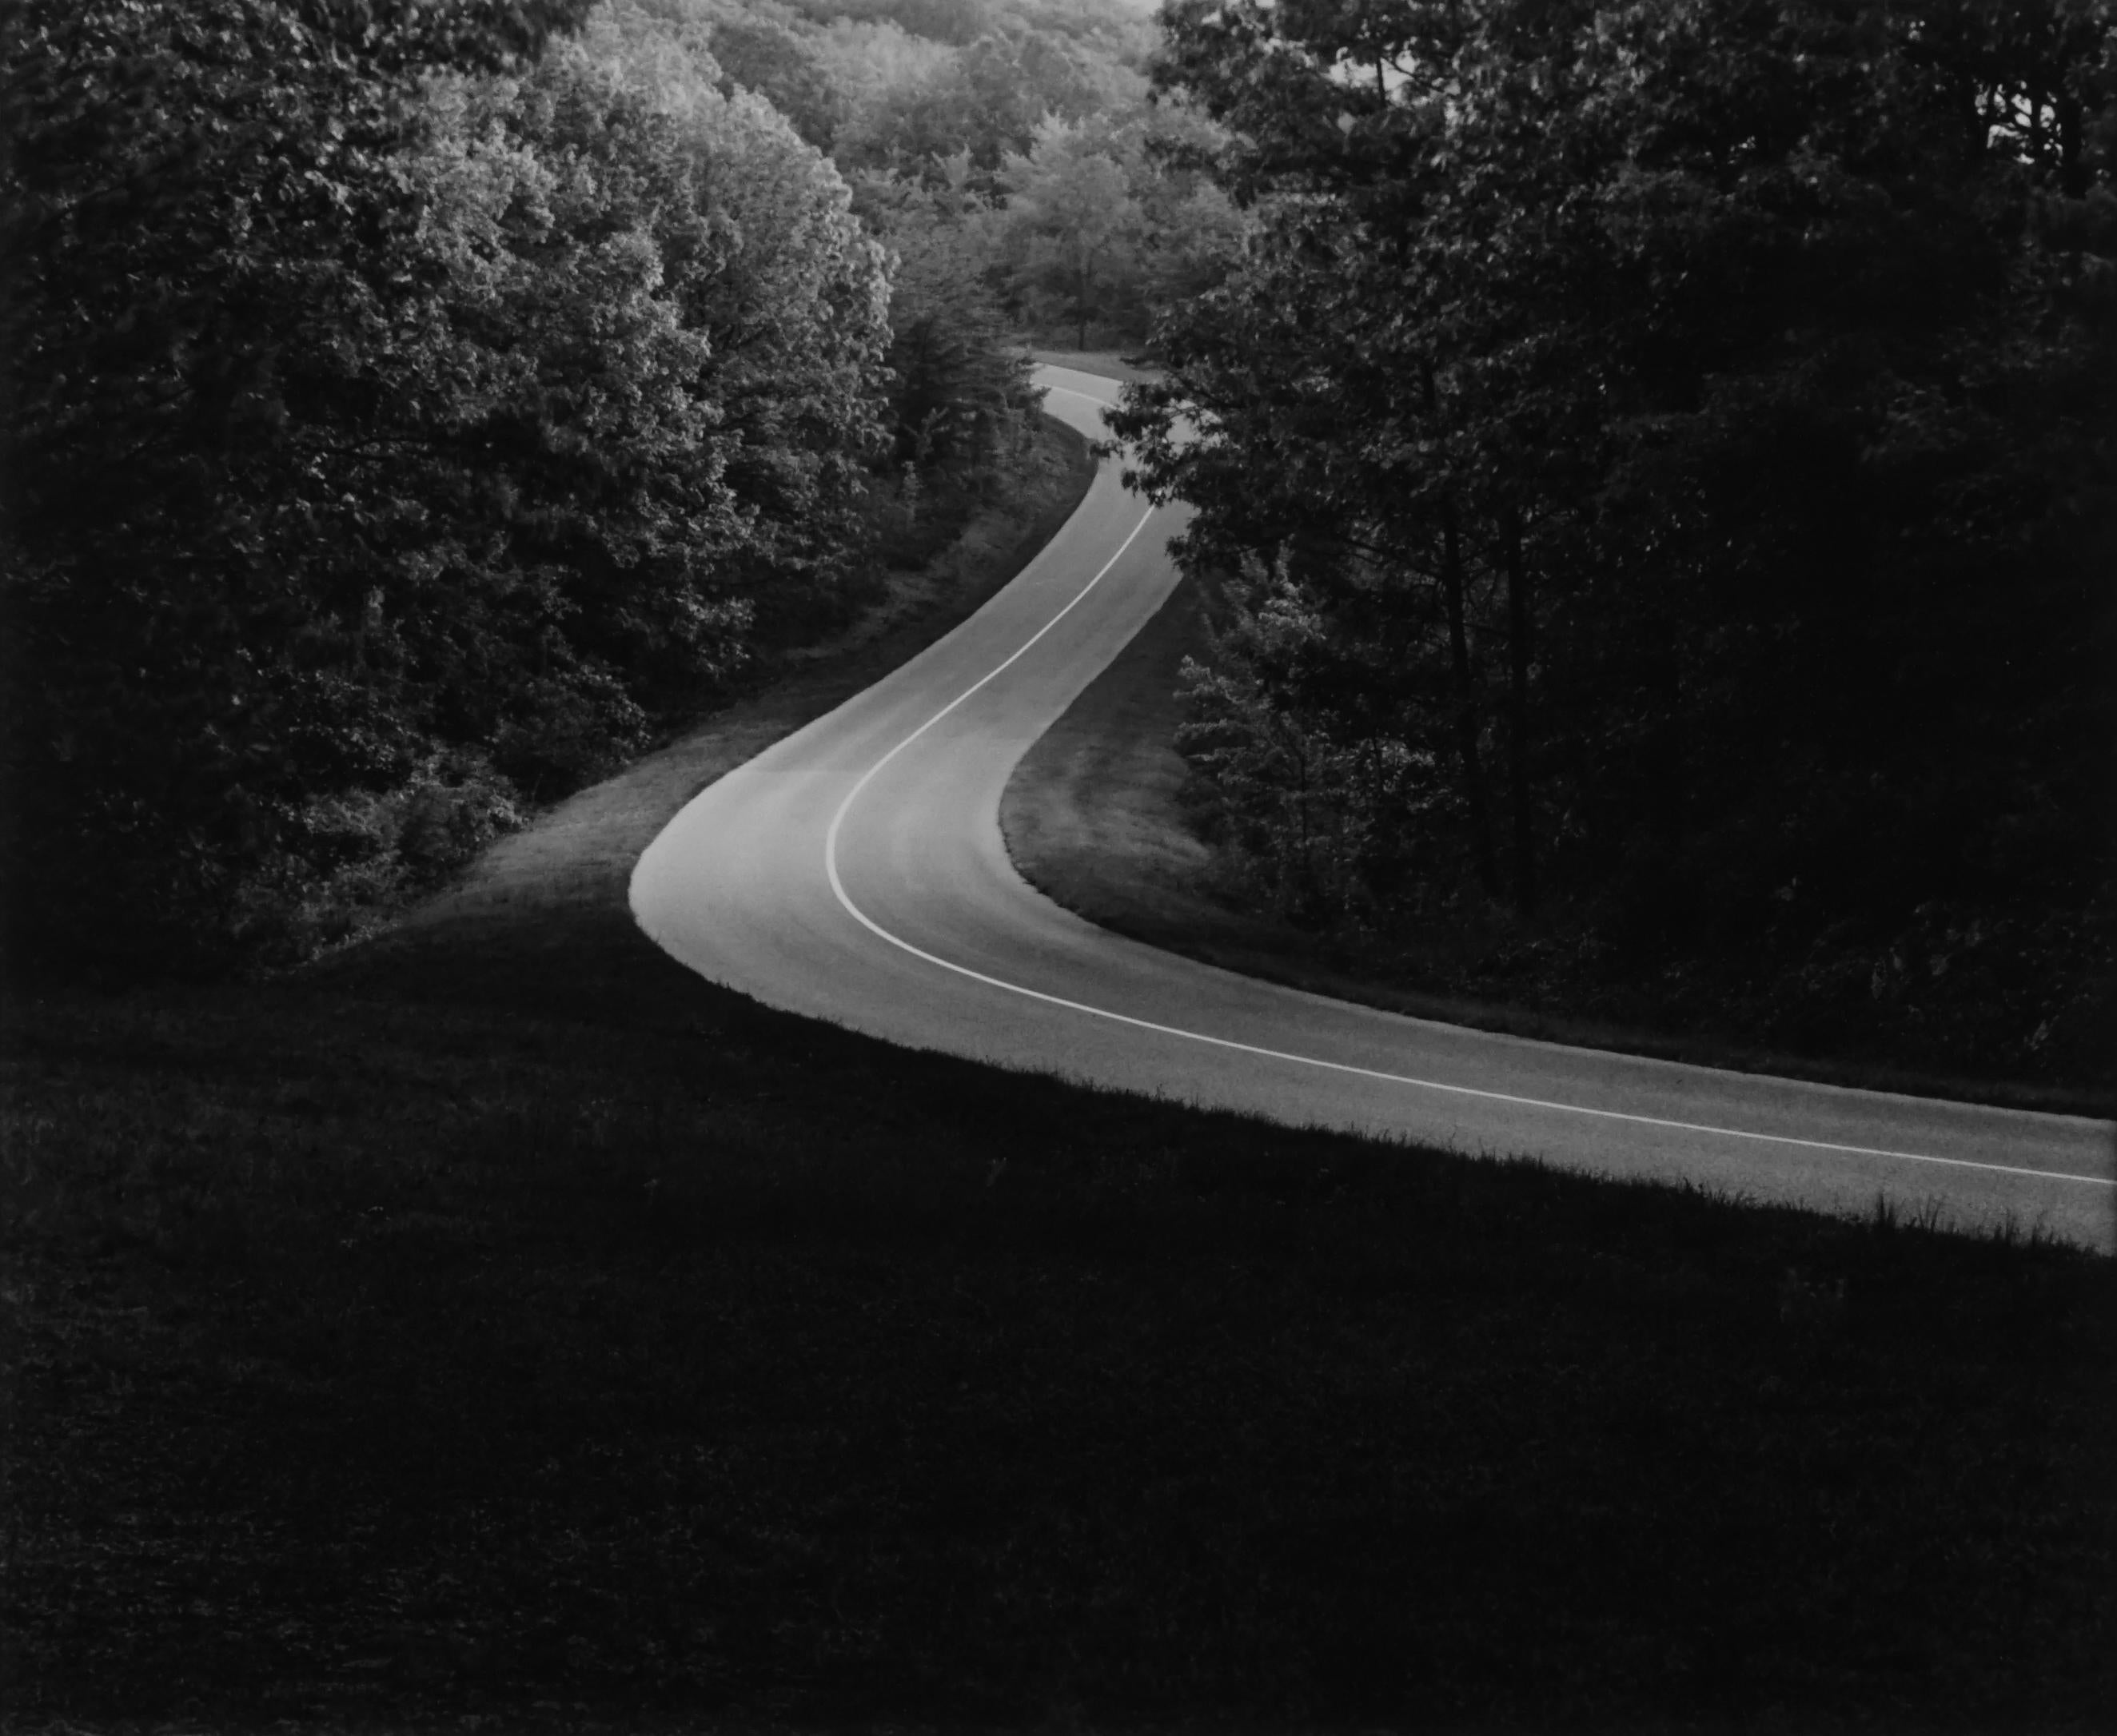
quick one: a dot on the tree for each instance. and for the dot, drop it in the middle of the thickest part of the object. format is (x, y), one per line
(204, 233)
(1686, 404)
(765, 57)
(372, 424)
(987, 99)
(960, 398)
(1073, 228)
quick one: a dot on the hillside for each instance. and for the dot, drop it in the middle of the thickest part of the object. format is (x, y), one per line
(504, 1324)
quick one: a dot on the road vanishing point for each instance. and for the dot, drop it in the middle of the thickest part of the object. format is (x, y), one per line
(854, 872)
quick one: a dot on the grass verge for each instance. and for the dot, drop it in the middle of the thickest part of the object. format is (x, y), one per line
(502, 1325)
(1093, 818)
(1104, 364)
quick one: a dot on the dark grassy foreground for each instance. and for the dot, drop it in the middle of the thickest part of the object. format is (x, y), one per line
(504, 1324)
(578, 1343)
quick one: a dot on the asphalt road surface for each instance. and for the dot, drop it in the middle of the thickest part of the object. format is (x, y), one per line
(854, 872)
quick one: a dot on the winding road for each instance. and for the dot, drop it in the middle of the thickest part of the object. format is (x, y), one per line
(854, 872)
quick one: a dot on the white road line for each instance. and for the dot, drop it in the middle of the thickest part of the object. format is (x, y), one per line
(867, 922)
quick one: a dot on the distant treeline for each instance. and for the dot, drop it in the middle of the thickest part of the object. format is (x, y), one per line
(410, 408)
(1009, 145)
(1667, 457)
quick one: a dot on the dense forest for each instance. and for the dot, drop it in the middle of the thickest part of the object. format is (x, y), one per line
(1655, 458)
(1660, 460)
(411, 410)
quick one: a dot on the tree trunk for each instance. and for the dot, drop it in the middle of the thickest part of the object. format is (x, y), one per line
(1660, 753)
(1518, 650)
(1466, 701)
(2073, 173)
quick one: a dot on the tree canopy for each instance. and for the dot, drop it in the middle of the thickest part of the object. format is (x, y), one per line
(1668, 448)
(388, 434)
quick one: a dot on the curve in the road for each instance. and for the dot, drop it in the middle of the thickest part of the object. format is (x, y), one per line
(897, 793)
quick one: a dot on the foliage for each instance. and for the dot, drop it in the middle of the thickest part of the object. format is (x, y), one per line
(988, 100)
(1091, 210)
(1688, 427)
(1321, 806)
(959, 396)
(1073, 230)
(765, 57)
(397, 385)
(363, 410)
